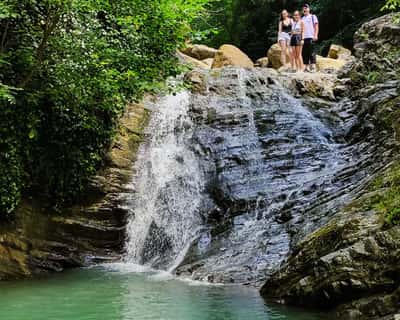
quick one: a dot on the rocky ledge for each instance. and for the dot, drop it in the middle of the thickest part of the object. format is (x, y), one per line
(40, 240)
(352, 263)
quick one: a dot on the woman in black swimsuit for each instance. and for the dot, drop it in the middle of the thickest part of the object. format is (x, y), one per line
(284, 31)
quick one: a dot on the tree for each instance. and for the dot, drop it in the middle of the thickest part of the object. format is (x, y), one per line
(67, 69)
(252, 24)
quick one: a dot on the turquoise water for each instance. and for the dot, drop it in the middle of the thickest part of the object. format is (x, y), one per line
(127, 292)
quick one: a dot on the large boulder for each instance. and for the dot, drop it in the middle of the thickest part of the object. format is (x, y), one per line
(229, 55)
(187, 60)
(339, 52)
(274, 56)
(329, 64)
(286, 68)
(200, 52)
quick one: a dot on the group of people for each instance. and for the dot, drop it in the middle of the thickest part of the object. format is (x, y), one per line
(297, 35)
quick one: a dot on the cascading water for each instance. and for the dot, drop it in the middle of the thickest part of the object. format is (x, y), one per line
(165, 215)
(228, 181)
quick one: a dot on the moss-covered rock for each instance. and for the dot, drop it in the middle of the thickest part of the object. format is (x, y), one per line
(350, 259)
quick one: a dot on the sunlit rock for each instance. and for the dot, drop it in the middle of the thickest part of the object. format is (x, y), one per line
(229, 55)
(274, 56)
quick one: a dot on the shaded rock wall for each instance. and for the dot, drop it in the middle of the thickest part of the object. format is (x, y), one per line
(39, 240)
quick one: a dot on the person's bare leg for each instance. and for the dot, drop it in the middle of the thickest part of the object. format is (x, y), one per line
(291, 56)
(301, 58)
(283, 51)
(298, 64)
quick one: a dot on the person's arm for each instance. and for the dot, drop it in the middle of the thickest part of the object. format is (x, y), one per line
(279, 29)
(303, 30)
(316, 29)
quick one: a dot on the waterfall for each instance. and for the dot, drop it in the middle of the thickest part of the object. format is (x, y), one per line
(165, 216)
(227, 182)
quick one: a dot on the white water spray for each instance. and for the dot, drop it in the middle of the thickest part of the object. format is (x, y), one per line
(164, 217)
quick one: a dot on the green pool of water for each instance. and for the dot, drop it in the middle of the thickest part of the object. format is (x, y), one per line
(126, 292)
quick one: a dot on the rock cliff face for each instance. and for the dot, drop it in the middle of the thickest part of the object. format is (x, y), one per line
(300, 173)
(352, 263)
(41, 240)
(281, 154)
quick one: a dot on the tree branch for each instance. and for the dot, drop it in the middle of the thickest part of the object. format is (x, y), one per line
(4, 37)
(50, 26)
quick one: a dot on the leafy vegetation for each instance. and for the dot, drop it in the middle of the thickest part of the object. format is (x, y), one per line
(391, 5)
(67, 69)
(252, 25)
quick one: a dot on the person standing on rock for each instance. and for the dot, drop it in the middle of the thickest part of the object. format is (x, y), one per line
(284, 31)
(296, 40)
(310, 37)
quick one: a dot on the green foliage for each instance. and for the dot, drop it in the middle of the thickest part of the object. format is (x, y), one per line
(253, 24)
(391, 5)
(67, 69)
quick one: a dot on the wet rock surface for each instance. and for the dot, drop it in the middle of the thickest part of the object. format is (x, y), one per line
(352, 258)
(277, 167)
(42, 240)
(351, 264)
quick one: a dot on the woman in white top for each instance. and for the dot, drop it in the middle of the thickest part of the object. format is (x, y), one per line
(284, 31)
(297, 40)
